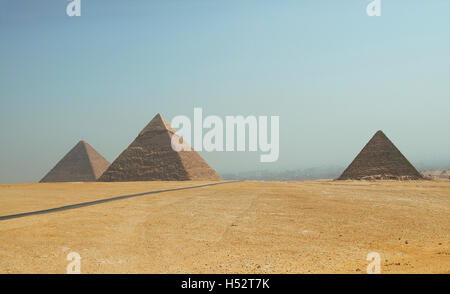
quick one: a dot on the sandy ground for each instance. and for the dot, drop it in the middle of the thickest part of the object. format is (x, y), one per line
(244, 227)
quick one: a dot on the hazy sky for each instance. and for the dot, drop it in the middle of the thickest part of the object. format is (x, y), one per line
(333, 74)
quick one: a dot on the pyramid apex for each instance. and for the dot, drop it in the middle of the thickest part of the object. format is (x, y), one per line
(159, 116)
(158, 123)
(380, 134)
(83, 144)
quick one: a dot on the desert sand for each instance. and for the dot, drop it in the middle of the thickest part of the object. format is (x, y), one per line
(242, 227)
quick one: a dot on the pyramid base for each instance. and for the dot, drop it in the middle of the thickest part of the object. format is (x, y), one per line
(384, 177)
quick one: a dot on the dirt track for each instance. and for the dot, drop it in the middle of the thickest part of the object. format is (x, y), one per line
(245, 227)
(105, 200)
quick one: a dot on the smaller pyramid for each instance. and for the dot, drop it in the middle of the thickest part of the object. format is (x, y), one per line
(444, 175)
(82, 164)
(150, 157)
(380, 160)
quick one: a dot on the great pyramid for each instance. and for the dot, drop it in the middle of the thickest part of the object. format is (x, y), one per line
(150, 157)
(81, 164)
(380, 160)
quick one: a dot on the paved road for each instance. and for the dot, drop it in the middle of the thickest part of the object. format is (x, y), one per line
(83, 204)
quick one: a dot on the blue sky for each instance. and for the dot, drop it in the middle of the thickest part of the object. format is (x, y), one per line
(332, 74)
